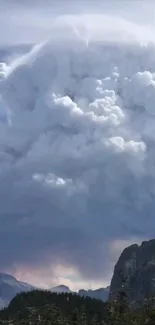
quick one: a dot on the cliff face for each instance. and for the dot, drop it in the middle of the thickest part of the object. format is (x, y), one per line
(135, 271)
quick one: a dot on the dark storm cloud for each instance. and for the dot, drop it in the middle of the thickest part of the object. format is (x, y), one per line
(77, 150)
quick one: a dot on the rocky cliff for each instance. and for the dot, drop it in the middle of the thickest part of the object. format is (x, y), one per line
(135, 271)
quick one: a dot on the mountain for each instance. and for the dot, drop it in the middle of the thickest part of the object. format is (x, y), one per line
(101, 293)
(135, 271)
(61, 289)
(9, 287)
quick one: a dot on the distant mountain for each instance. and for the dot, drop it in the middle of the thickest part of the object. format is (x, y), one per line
(9, 287)
(60, 289)
(101, 293)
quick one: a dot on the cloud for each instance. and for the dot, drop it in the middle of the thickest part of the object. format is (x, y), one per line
(76, 150)
(49, 278)
(32, 21)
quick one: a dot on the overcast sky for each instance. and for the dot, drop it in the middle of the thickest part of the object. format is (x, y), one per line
(77, 122)
(31, 21)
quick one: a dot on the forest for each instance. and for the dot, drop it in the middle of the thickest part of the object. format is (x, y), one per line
(46, 308)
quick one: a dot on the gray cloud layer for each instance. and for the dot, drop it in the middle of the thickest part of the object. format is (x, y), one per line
(77, 147)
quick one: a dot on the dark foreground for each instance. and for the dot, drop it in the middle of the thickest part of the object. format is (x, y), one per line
(45, 308)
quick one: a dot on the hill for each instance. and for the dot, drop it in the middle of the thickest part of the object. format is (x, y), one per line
(52, 308)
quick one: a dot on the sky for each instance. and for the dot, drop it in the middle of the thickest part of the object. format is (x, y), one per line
(77, 122)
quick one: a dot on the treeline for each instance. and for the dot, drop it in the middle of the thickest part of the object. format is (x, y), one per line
(46, 308)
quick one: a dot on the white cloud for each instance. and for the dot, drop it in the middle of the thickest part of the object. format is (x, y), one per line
(47, 278)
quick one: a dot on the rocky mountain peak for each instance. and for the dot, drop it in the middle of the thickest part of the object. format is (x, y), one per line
(135, 270)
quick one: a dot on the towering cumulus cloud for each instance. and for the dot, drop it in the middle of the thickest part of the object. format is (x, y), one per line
(77, 139)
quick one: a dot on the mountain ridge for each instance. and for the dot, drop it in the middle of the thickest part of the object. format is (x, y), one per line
(10, 287)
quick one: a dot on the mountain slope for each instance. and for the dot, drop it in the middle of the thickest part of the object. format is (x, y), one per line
(9, 287)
